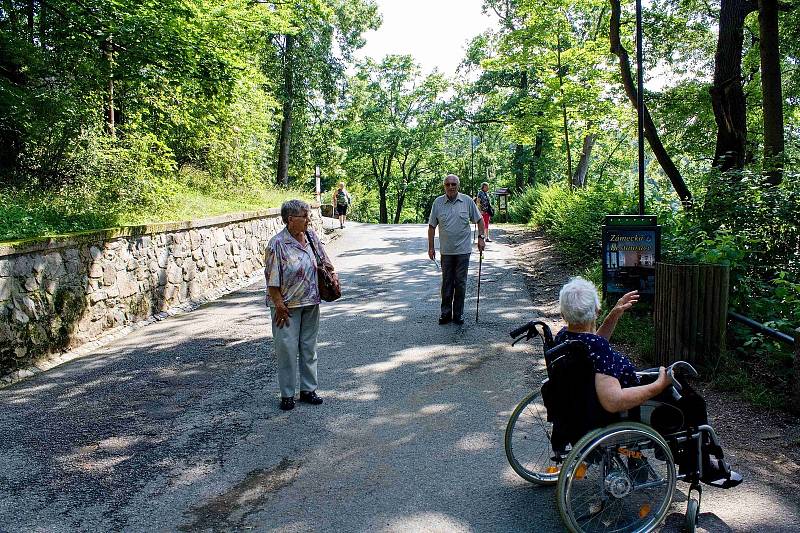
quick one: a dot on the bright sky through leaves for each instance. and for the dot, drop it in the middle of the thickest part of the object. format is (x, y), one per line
(434, 32)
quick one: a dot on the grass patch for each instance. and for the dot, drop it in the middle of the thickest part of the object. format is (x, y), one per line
(30, 214)
(635, 330)
(731, 375)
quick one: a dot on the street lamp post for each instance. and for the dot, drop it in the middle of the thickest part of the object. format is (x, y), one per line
(640, 102)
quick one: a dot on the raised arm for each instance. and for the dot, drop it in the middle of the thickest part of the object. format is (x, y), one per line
(610, 322)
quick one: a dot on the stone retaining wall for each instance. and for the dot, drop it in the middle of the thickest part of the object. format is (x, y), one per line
(58, 294)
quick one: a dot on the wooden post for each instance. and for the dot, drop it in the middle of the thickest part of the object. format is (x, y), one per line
(794, 404)
(690, 312)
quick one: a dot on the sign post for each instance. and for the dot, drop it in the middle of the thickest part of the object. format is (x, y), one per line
(317, 185)
(631, 248)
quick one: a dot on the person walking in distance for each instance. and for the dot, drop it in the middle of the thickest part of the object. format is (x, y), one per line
(342, 199)
(485, 207)
(452, 213)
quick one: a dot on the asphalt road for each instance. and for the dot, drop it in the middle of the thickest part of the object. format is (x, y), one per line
(176, 427)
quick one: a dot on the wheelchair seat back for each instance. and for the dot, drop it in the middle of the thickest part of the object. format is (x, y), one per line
(569, 394)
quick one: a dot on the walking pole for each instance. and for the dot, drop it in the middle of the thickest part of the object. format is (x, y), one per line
(478, 304)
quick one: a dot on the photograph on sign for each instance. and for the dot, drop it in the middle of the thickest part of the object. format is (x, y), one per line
(629, 259)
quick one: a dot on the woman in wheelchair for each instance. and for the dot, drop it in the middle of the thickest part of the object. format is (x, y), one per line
(624, 393)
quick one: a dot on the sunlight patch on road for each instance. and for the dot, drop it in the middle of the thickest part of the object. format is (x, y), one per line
(426, 521)
(477, 442)
(365, 393)
(390, 420)
(437, 408)
(438, 358)
(188, 475)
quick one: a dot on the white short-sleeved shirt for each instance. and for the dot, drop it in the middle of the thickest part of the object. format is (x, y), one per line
(453, 218)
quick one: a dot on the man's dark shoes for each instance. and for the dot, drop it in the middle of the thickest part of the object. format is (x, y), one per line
(310, 397)
(445, 319)
(459, 320)
(287, 403)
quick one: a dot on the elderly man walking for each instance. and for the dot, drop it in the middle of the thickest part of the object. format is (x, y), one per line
(452, 212)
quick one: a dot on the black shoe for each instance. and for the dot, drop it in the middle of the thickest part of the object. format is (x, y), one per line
(459, 320)
(445, 319)
(310, 397)
(287, 403)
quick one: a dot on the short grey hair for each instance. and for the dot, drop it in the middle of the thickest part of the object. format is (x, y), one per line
(458, 180)
(579, 301)
(293, 208)
(485, 183)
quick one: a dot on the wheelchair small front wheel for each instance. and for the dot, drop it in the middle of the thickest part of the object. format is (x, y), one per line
(527, 442)
(692, 514)
(619, 478)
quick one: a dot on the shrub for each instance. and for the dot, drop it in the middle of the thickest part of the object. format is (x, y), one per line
(522, 205)
(574, 217)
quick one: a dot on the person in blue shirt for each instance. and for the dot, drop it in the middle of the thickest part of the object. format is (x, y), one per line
(617, 385)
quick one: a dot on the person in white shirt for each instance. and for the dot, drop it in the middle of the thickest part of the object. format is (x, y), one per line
(452, 213)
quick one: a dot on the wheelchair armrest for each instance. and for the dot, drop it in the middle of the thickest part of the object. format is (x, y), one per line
(682, 366)
(647, 372)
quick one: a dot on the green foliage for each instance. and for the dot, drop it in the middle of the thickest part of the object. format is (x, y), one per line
(573, 218)
(82, 207)
(394, 136)
(523, 205)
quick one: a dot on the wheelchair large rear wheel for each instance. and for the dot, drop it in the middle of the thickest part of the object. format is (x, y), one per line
(620, 478)
(527, 442)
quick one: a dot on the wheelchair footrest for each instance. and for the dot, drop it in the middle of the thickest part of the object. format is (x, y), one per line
(734, 480)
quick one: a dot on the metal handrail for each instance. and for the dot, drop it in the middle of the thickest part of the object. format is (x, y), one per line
(761, 328)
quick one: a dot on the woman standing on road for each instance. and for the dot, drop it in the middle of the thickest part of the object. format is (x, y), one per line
(342, 200)
(485, 206)
(293, 298)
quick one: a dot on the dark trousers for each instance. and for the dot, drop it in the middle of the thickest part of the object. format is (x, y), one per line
(454, 284)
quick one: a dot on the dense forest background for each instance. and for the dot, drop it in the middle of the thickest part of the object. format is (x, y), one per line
(119, 112)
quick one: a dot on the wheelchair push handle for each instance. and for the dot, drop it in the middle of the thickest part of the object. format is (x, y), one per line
(530, 330)
(516, 332)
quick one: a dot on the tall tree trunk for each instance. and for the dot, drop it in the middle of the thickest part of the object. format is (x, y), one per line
(286, 123)
(533, 161)
(519, 166)
(519, 150)
(110, 118)
(579, 178)
(567, 147)
(383, 210)
(401, 197)
(727, 96)
(650, 132)
(769, 46)
(31, 10)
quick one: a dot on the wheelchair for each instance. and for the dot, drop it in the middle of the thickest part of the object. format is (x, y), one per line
(612, 472)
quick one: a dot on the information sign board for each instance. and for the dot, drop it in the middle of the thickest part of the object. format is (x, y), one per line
(502, 199)
(631, 248)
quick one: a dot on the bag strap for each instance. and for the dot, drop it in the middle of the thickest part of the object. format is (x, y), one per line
(313, 248)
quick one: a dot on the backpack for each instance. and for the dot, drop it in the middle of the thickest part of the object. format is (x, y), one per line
(341, 198)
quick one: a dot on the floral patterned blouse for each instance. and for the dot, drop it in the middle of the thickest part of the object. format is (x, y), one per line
(293, 267)
(606, 360)
(483, 198)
